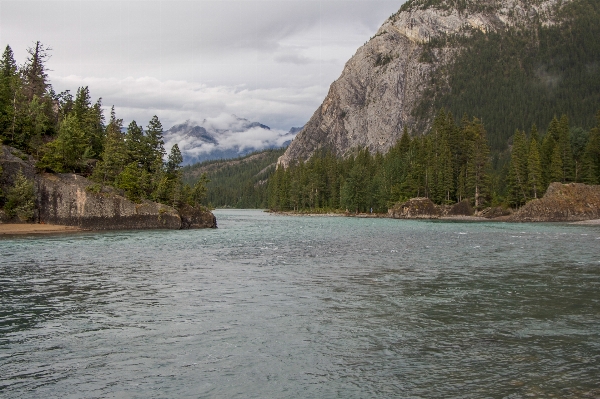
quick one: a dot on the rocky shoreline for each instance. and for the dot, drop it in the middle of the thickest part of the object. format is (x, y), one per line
(572, 202)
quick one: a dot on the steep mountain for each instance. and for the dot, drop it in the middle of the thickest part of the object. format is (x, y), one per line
(510, 63)
(222, 138)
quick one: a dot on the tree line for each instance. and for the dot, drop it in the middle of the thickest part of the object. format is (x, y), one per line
(450, 164)
(69, 134)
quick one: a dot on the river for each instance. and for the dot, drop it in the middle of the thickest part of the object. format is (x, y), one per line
(271, 306)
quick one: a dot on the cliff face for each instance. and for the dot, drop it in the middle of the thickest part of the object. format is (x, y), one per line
(65, 199)
(373, 99)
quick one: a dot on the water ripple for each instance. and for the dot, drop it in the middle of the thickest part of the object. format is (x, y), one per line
(288, 307)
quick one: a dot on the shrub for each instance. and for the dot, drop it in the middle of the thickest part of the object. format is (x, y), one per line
(21, 199)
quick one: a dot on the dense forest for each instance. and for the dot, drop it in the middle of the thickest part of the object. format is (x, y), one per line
(69, 134)
(451, 163)
(522, 76)
(237, 183)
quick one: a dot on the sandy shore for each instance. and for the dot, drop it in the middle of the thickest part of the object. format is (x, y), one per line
(20, 229)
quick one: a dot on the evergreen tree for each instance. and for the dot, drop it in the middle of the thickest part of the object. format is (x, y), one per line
(114, 155)
(534, 134)
(556, 166)
(566, 153)
(9, 83)
(477, 162)
(21, 198)
(546, 154)
(34, 71)
(534, 169)
(69, 151)
(135, 143)
(154, 134)
(518, 183)
(591, 156)
(90, 118)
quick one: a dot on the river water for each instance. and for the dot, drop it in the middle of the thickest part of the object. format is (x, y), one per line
(271, 306)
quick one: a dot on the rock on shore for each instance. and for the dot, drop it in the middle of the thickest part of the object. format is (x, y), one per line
(570, 202)
(562, 203)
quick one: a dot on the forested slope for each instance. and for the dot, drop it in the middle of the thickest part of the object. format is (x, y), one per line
(514, 78)
(237, 183)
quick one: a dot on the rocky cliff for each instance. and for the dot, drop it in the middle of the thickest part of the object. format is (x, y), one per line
(380, 86)
(67, 199)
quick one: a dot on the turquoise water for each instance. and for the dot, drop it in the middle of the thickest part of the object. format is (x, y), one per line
(272, 306)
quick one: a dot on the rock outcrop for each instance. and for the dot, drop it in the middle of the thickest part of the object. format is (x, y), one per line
(380, 86)
(70, 200)
(416, 208)
(196, 218)
(562, 203)
(65, 199)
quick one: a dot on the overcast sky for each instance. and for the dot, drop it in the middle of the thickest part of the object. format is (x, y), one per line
(267, 61)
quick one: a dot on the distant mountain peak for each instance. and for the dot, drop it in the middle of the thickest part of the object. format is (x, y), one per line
(225, 136)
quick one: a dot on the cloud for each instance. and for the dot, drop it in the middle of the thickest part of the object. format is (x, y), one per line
(175, 101)
(223, 136)
(269, 61)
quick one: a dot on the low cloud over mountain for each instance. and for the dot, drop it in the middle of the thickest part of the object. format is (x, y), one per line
(226, 136)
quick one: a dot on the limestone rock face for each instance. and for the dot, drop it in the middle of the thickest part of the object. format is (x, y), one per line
(562, 203)
(64, 199)
(374, 98)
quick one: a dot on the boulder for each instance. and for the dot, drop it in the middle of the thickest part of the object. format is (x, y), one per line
(197, 218)
(462, 208)
(416, 208)
(562, 203)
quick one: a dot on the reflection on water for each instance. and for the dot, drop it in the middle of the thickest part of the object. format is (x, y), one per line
(273, 306)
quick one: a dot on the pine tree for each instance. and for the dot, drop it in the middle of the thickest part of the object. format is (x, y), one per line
(69, 151)
(135, 143)
(90, 118)
(9, 83)
(34, 71)
(534, 169)
(447, 173)
(21, 198)
(546, 153)
(154, 134)
(534, 134)
(556, 166)
(591, 156)
(566, 153)
(114, 155)
(517, 181)
(477, 162)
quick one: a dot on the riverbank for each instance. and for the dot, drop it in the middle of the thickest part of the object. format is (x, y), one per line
(24, 229)
(387, 216)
